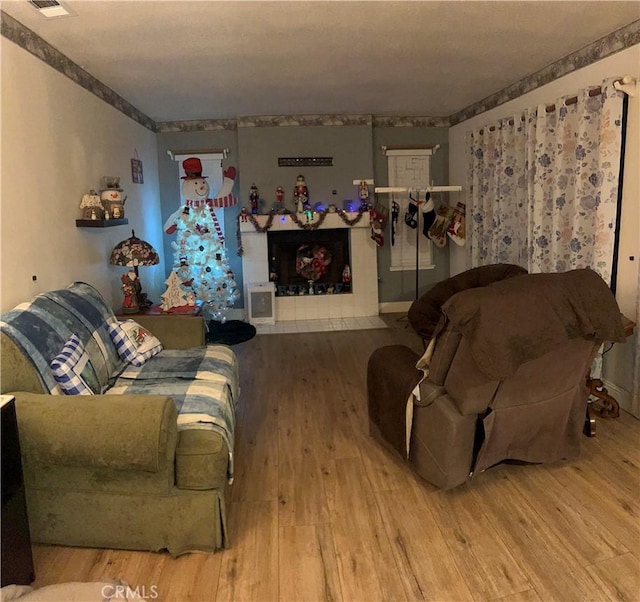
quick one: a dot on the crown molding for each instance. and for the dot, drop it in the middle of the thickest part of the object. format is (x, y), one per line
(260, 121)
(610, 44)
(196, 125)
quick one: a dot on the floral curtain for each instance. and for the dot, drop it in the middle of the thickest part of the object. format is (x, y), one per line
(543, 185)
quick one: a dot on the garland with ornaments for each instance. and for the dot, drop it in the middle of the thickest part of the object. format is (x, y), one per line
(314, 219)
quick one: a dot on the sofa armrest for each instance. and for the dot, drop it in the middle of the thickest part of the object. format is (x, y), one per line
(174, 331)
(123, 432)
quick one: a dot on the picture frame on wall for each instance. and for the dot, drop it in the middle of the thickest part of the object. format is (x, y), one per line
(137, 175)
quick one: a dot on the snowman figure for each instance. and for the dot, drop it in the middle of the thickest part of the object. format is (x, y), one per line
(112, 202)
(194, 186)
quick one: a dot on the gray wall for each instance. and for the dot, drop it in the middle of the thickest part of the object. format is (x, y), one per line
(350, 147)
(356, 153)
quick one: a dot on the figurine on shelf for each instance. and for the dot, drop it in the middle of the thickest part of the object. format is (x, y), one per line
(112, 202)
(243, 214)
(254, 199)
(91, 206)
(279, 206)
(301, 195)
(363, 195)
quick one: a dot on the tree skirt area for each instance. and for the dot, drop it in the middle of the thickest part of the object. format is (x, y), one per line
(230, 332)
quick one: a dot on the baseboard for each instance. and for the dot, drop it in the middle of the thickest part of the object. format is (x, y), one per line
(394, 307)
(622, 396)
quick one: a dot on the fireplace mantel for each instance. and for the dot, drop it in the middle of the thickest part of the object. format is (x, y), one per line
(284, 222)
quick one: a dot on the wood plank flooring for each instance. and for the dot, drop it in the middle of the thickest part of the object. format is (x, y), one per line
(320, 512)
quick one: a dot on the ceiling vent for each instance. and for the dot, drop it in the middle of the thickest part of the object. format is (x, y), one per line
(51, 8)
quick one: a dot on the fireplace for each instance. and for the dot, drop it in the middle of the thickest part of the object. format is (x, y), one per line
(309, 262)
(353, 247)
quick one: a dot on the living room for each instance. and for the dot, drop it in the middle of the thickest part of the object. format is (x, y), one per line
(60, 138)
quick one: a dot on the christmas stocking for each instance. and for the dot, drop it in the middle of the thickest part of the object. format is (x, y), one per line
(456, 227)
(410, 215)
(224, 198)
(428, 215)
(395, 213)
(438, 232)
(378, 221)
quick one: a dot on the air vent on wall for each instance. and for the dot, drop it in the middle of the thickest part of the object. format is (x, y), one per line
(51, 8)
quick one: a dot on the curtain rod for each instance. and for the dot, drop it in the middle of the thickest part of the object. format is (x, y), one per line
(627, 85)
(391, 189)
(201, 151)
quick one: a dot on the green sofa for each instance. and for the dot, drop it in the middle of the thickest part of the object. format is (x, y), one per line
(113, 470)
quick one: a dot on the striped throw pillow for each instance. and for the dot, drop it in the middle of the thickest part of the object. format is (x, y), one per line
(68, 365)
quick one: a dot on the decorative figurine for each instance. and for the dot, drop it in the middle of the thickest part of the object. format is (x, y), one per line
(113, 202)
(91, 205)
(243, 214)
(346, 274)
(278, 206)
(363, 194)
(301, 194)
(254, 198)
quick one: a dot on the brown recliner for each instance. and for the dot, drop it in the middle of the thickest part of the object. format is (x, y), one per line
(506, 376)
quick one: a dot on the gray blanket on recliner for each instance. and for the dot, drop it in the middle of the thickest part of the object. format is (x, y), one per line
(559, 307)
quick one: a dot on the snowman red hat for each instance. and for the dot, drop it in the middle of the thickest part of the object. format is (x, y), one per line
(193, 168)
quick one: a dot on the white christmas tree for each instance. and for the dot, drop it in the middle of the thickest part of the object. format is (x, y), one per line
(201, 262)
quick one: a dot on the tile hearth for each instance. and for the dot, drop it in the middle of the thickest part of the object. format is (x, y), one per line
(325, 325)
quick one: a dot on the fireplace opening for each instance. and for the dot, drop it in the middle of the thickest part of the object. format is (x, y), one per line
(314, 262)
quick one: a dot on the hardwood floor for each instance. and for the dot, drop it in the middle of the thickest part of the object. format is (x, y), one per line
(319, 511)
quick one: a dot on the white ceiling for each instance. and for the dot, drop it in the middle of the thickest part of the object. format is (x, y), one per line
(179, 60)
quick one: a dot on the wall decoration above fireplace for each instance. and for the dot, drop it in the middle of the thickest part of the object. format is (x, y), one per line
(305, 161)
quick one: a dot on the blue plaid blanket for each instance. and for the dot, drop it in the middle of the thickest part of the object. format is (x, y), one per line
(203, 383)
(41, 328)
(215, 363)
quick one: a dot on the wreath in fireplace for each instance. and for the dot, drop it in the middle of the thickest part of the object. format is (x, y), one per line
(312, 261)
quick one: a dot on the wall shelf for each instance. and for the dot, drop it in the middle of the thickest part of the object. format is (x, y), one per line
(101, 223)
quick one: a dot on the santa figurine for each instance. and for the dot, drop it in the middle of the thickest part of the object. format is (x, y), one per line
(301, 195)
